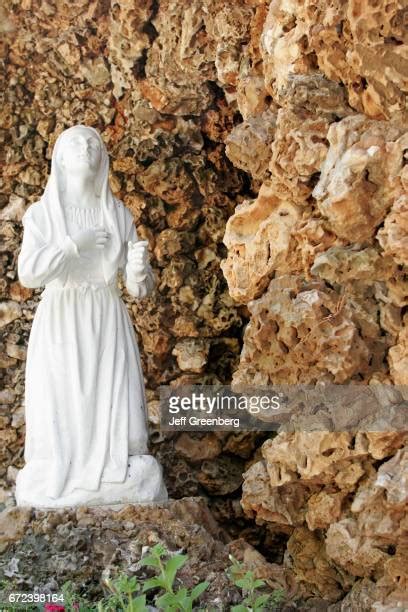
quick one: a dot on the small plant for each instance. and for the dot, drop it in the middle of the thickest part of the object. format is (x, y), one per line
(253, 601)
(171, 600)
(123, 597)
(128, 594)
(73, 601)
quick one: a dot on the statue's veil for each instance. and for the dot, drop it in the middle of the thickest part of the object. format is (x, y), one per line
(54, 216)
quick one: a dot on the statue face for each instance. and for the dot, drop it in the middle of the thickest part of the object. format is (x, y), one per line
(81, 152)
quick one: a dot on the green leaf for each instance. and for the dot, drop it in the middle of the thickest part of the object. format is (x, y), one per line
(258, 583)
(171, 567)
(261, 600)
(150, 561)
(277, 596)
(139, 604)
(165, 601)
(186, 603)
(198, 589)
(239, 608)
(244, 583)
(124, 584)
(175, 601)
(159, 550)
(152, 583)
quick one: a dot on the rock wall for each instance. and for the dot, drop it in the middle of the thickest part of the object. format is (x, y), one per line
(261, 147)
(110, 65)
(318, 257)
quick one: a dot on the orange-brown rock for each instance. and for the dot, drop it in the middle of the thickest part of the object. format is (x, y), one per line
(261, 148)
(360, 177)
(349, 515)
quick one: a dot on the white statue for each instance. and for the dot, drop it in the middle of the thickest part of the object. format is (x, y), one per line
(85, 403)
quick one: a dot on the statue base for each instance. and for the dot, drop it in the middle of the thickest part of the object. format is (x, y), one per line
(143, 484)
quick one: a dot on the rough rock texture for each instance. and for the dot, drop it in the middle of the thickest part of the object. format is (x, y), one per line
(262, 149)
(88, 545)
(347, 518)
(111, 65)
(318, 256)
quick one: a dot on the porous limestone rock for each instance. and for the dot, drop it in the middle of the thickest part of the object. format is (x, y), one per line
(191, 354)
(128, 41)
(305, 332)
(197, 449)
(361, 45)
(258, 238)
(92, 544)
(261, 148)
(248, 145)
(9, 311)
(360, 176)
(393, 237)
(13, 525)
(298, 151)
(348, 517)
(398, 356)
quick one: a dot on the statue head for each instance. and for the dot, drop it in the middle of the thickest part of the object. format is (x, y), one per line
(80, 151)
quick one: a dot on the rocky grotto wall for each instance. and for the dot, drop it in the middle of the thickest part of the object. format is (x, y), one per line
(262, 149)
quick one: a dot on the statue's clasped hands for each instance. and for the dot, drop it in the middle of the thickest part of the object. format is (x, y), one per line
(91, 238)
(136, 266)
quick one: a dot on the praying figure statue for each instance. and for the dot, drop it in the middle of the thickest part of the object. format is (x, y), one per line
(85, 404)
